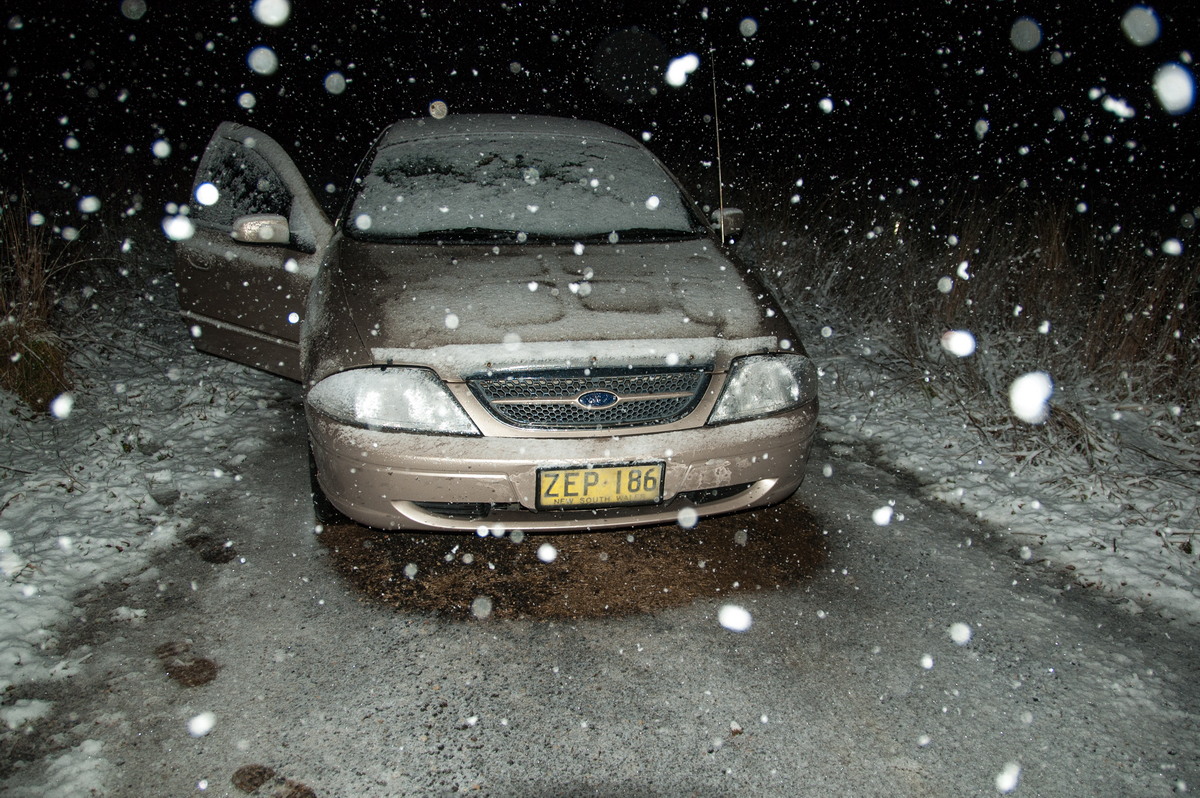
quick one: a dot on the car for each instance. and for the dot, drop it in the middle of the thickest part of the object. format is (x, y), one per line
(515, 323)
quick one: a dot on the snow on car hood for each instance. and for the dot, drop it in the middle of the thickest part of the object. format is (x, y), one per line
(465, 308)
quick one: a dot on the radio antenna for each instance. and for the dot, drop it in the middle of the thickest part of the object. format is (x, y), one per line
(712, 52)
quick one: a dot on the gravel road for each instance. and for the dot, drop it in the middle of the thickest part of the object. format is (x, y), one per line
(922, 657)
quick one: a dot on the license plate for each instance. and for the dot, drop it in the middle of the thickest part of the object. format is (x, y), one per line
(600, 486)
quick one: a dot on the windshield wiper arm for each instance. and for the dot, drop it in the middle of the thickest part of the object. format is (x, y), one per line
(464, 234)
(640, 234)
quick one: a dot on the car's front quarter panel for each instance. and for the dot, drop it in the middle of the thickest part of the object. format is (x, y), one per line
(330, 341)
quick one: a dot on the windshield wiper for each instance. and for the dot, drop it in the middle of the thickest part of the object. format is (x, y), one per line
(476, 235)
(640, 235)
(463, 235)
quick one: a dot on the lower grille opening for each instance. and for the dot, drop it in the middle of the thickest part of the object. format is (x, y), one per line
(481, 510)
(457, 509)
(712, 494)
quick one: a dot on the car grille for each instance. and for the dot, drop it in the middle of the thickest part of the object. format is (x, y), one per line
(559, 400)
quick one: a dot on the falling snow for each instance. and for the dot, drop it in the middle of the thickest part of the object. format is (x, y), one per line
(679, 69)
(547, 553)
(959, 343)
(734, 618)
(1008, 777)
(152, 432)
(1029, 396)
(1026, 34)
(202, 724)
(272, 12)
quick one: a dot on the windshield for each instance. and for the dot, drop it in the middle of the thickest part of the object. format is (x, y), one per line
(519, 187)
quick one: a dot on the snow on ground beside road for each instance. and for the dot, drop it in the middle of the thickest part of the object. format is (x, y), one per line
(1124, 526)
(89, 497)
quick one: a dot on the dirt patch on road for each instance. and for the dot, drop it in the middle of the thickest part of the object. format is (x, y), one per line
(184, 667)
(250, 778)
(591, 574)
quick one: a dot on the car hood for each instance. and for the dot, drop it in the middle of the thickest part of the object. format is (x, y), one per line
(460, 309)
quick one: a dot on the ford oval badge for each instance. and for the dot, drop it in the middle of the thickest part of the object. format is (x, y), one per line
(597, 400)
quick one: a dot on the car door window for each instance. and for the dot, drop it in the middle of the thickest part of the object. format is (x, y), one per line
(245, 184)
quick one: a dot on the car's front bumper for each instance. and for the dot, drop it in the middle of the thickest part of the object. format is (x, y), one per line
(395, 480)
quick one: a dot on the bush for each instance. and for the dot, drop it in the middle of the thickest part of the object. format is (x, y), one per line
(34, 365)
(1036, 283)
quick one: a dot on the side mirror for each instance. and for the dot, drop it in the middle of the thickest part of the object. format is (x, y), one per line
(729, 221)
(261, 228)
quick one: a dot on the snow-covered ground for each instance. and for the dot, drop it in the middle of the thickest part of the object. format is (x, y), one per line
(150, 428)
(154, 428)
(1119, 515)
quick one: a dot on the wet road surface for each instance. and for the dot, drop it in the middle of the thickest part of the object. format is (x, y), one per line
(332, 666)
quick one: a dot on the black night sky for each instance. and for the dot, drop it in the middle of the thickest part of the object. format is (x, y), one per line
(90, 87)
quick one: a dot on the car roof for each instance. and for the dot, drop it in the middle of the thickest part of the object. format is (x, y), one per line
(500, 124)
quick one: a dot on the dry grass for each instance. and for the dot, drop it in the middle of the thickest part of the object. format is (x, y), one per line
(34, 366)
(1036, 283)
(1040, 286)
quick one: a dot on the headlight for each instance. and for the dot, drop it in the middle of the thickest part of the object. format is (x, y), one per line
(409, 399)
(764, 384)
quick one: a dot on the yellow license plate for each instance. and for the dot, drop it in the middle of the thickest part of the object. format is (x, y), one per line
(601, 486)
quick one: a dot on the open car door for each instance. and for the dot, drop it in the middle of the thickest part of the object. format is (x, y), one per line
(260, 235)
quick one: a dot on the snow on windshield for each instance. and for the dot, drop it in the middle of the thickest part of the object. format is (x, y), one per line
(556, 186)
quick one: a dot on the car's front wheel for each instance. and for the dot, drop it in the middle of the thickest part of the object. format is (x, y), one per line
(323, 510)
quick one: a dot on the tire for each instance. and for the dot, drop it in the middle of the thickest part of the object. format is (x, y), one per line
(323, 510)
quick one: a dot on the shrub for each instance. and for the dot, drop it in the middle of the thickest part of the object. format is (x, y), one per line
(1036, 283)
(34, 365)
